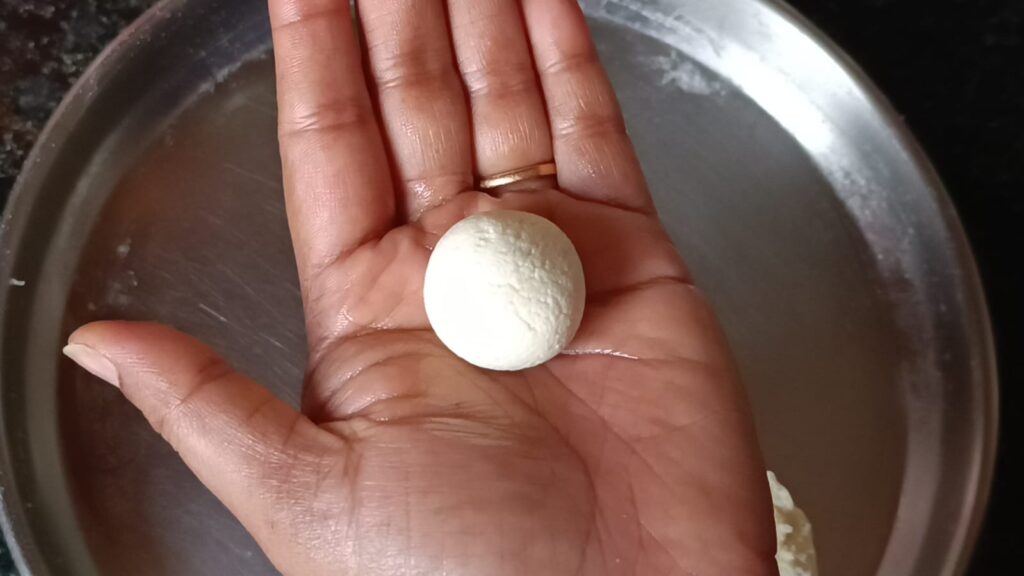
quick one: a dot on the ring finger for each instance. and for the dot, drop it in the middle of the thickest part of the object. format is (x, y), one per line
(510, 125)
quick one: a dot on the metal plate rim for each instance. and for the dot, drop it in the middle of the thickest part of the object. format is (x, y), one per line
(15, 531)
(982, 339)
(78, 101)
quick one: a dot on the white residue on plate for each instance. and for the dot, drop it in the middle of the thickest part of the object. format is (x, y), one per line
(17, 283)
(124, 248)
(686, 76)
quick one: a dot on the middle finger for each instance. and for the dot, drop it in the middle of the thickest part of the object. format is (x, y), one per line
(422, 105)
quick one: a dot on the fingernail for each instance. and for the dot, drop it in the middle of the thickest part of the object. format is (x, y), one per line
(93, 362)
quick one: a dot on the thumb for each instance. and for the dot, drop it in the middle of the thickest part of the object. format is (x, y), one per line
(259, 456)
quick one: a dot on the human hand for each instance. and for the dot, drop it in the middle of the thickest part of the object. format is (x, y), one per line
(632, 453)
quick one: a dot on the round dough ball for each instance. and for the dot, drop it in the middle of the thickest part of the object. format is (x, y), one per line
(795, 553)
(504, 290)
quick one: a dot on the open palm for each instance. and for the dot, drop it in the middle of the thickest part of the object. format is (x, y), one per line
(631, 453)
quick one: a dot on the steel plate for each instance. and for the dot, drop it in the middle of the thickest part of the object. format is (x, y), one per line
(806, 211)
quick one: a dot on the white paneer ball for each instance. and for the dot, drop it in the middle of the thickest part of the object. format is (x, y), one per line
(795, 553)
(504, 290)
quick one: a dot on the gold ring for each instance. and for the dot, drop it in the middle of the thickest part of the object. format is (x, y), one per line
(518, 175)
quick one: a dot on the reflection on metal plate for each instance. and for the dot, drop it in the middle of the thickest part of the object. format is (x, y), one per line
(806, 212)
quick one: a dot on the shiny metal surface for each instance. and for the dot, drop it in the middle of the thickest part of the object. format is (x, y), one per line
(805, 210)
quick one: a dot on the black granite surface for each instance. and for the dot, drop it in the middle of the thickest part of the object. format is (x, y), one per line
(954, 68)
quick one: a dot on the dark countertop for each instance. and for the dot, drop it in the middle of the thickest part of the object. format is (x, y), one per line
(954, 69)
(44, 46)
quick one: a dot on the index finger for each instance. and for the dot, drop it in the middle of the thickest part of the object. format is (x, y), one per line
(337, 180)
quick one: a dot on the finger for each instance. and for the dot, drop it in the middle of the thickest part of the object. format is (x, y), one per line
(255, 453)
(510, 124)
(595, 157)
(337, 180)
(421, 101)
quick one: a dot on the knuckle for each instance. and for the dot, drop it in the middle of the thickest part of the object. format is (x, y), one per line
(299, 14)
(336, 115)
(175, 416)
(590, 124)
(497, 80)
(572, 63)
(406, 69)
